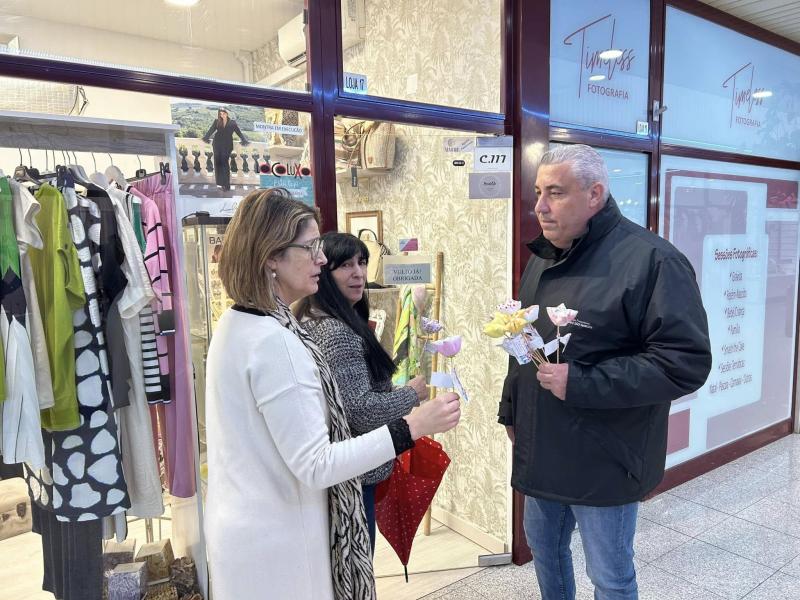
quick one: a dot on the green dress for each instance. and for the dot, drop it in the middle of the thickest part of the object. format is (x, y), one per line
(59, 285)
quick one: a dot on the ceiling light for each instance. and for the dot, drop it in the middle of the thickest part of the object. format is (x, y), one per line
(610, 54)
(184, 3)
(597, 78)
(762, 94)
(616, 170)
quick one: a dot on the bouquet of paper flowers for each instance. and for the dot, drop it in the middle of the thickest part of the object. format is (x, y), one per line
(514, 325)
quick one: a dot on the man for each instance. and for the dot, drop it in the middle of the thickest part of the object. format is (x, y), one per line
(590, 432)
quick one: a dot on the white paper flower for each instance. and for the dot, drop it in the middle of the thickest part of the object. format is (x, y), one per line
(531, 313)
(509, 307)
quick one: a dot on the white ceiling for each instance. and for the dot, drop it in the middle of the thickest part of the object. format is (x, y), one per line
(779, 16)
(227, 25)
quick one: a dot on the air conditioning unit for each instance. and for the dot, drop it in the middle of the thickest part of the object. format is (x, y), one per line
(292, 36)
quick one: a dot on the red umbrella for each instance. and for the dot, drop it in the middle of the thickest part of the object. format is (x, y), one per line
(401, 500)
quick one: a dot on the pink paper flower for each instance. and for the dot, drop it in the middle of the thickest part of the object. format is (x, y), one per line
(448, 347)
(561, 315)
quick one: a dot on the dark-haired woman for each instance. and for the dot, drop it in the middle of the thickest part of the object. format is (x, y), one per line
(337, 317)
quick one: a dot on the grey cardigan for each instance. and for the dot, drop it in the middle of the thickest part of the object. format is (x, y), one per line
(368, 404)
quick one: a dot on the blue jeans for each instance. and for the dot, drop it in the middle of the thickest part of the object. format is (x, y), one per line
(607, 536)
(368, 493)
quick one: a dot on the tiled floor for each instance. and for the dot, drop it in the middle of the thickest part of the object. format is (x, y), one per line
(437, 560)
(732, 533)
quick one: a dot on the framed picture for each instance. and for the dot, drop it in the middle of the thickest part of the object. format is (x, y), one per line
(370, 219)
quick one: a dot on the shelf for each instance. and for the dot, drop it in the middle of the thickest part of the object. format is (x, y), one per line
(82, 134)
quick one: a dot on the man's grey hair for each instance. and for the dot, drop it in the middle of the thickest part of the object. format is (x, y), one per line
(587, 164)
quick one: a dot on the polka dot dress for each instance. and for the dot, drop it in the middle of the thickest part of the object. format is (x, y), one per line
(83, 479)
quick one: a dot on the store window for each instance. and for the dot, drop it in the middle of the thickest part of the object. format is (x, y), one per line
(447, 53)
(738, 225)
(748, 90)
(158, 179)
(627, 177)
(441, 216)
(599, 63)
(260, 43)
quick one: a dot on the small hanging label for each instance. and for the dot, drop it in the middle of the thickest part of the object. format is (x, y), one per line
(458, 387)
(441, 380)
(353, 177)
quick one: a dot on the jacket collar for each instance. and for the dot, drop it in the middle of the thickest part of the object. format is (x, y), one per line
(599, 225)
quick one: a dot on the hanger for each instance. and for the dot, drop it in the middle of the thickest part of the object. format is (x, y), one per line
(78, 174)
(140, 172)
(24, 174)
(97, 177)
(114, 174)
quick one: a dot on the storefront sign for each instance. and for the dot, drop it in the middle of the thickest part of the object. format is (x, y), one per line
(300, 186)
(493, 159)
(737, 225)
(405, 270)
(599, 62)
(489, 185)
(355, 83)
(276, 128)
(747, 90)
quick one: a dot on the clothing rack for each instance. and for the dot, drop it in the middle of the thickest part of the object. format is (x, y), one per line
(35, 131)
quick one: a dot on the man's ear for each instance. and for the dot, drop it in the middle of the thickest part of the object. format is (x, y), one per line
(596, 195)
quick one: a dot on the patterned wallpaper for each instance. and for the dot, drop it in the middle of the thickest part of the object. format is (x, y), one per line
(426, 197)
(453, 47)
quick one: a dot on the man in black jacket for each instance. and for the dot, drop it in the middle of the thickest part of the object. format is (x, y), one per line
(590, 433)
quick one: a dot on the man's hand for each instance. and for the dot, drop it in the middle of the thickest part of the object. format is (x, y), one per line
(554, 378)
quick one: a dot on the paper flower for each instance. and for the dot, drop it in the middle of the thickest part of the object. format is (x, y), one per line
(509, 307)
(448, 347)
(510, 323)
(431, 326)
(531, 313)
(561, 315)
(495, 329)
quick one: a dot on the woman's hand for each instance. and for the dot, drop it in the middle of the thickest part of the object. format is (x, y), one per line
(435, 416)
(419, 385)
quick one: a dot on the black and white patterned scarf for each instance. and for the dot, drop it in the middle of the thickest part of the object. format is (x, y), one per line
(351, 558)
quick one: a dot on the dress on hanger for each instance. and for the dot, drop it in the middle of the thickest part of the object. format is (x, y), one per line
(83, 479)
(179, 430)
(20, 427)
(57, 277)
(25, 208)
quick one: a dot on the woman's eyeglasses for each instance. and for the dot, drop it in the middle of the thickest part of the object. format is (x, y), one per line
(314, 247)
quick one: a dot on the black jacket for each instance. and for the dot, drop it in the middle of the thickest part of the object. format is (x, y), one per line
(640, 341)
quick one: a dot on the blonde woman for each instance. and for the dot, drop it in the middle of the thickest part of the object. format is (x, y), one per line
(284, 512)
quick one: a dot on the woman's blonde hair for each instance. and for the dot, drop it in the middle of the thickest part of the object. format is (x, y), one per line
(264, 223)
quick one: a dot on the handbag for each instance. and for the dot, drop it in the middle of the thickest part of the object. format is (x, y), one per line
(364, 145)
(377, 250)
